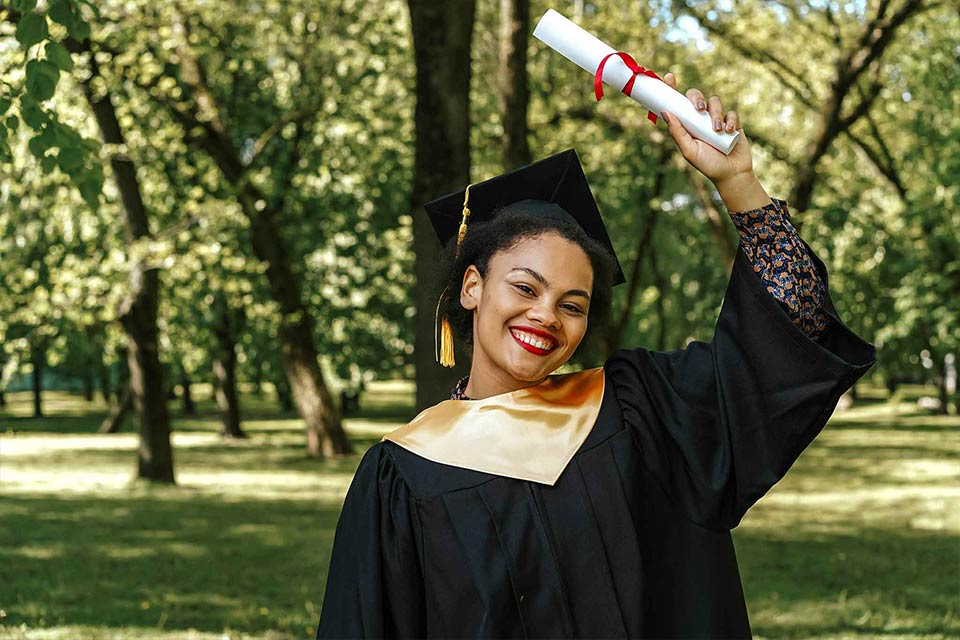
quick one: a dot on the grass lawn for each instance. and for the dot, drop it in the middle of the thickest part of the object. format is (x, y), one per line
(859, 541)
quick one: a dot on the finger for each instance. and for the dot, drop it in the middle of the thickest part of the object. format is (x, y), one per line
(732, 122)
(716, 112)
(670, 79)
(686, 143)
(696, 97)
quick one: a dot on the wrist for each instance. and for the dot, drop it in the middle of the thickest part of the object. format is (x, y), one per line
(742, 192)
(736, 179)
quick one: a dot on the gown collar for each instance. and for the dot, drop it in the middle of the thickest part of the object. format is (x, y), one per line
(527, 434)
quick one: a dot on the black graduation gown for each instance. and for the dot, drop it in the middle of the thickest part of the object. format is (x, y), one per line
(633, 539)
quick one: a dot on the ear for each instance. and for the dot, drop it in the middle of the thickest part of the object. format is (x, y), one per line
(472, 288)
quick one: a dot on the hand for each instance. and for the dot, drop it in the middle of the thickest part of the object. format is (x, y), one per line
(705, 158)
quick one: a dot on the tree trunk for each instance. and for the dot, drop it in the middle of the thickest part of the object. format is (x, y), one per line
(138, 311)
(225, 369)
(38, 358)
(660, 282)
(88, 384)
(3, 399)
(891, 383)
(119, 413)
(123, 373)
(284, 397)
(324, 431)
(514, 91)
(943, 391)
(442, 33)
(257, 379)
(189, 409)
(103, 374)
(225, 389)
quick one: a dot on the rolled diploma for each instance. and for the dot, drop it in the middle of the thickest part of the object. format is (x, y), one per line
(587, 51)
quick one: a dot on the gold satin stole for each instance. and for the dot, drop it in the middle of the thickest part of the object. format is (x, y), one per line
(528, 434)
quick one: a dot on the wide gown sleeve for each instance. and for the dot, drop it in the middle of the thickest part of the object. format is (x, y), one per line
(374, 586)
(719, 423)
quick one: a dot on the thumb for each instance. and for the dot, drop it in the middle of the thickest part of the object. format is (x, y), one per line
(688, 146)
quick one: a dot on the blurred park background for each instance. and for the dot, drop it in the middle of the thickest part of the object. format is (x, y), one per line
(217, 283)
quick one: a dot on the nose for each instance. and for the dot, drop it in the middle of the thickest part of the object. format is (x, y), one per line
(544, 315)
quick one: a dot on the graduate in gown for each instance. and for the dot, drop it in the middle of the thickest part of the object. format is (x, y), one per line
(598, 503)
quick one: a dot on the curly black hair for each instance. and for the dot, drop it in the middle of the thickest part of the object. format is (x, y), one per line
(504, 231)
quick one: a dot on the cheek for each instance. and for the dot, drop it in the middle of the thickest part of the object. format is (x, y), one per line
(577, 332)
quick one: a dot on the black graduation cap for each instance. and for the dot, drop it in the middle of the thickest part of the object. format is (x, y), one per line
(554, 186)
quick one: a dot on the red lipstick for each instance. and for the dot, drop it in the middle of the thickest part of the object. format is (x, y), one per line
(537, 332)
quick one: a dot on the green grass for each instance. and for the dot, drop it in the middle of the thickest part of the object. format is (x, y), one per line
(859, 541)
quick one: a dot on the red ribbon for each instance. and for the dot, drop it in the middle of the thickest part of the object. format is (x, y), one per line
(627, 88)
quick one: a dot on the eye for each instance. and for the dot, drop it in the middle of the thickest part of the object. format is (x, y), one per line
(573, 308)
(525, 289)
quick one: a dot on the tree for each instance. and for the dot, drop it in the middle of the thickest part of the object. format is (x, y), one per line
(138, 311)
(442, 33)
(514, 93)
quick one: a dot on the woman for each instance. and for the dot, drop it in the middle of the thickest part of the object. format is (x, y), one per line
(599, 503)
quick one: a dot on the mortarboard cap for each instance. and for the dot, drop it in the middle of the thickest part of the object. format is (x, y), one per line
(554, 187)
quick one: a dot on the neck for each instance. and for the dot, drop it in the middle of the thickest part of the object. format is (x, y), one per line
(484, 383)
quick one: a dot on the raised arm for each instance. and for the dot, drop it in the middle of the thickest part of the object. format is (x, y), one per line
(768, 239)
(781, 259)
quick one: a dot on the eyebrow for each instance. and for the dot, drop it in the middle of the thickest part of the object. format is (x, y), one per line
(539, 278)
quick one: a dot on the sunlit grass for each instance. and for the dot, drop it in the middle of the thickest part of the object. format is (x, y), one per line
(861, 540)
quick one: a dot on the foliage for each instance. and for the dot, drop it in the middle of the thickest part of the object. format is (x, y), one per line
(316, 100)
(27, 97)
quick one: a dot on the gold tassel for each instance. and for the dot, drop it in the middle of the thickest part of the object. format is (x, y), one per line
(462, 233)
(446, 344)
(444, 351)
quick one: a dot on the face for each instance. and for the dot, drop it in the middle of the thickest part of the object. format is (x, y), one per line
(530, 311)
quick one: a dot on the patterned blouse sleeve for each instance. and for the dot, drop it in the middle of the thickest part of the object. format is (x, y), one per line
(783, 264)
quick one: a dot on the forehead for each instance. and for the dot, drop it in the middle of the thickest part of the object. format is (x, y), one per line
(561, 262)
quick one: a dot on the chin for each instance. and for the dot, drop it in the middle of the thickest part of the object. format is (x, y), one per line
(533, 371)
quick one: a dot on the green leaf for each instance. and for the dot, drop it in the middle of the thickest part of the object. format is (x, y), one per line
(62, 12)
(31, 112)
(58, 55)
(23, 6)
(48, 137)
(70, 160)
(37, 147)
(90, 189)
(13, 123)
(80, 29)
(48, 163)
(31, 30)
(4, 105)
(66, 136)
(42, 77)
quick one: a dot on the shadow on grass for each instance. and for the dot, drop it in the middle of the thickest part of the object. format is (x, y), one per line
(251, 455)
(876, 581)
(183, 561)
(86, 423)
(187, 561)
(75, 416)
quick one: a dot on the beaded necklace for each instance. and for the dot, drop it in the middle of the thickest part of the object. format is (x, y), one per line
(459, 391)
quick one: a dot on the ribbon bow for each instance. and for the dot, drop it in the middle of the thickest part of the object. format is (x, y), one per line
(627, 88)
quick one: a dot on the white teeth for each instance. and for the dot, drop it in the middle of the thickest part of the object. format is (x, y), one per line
(529, 339)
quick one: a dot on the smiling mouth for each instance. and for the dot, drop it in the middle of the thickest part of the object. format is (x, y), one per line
(532, 343)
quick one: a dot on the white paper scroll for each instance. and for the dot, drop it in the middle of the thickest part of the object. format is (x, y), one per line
(587, 51)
